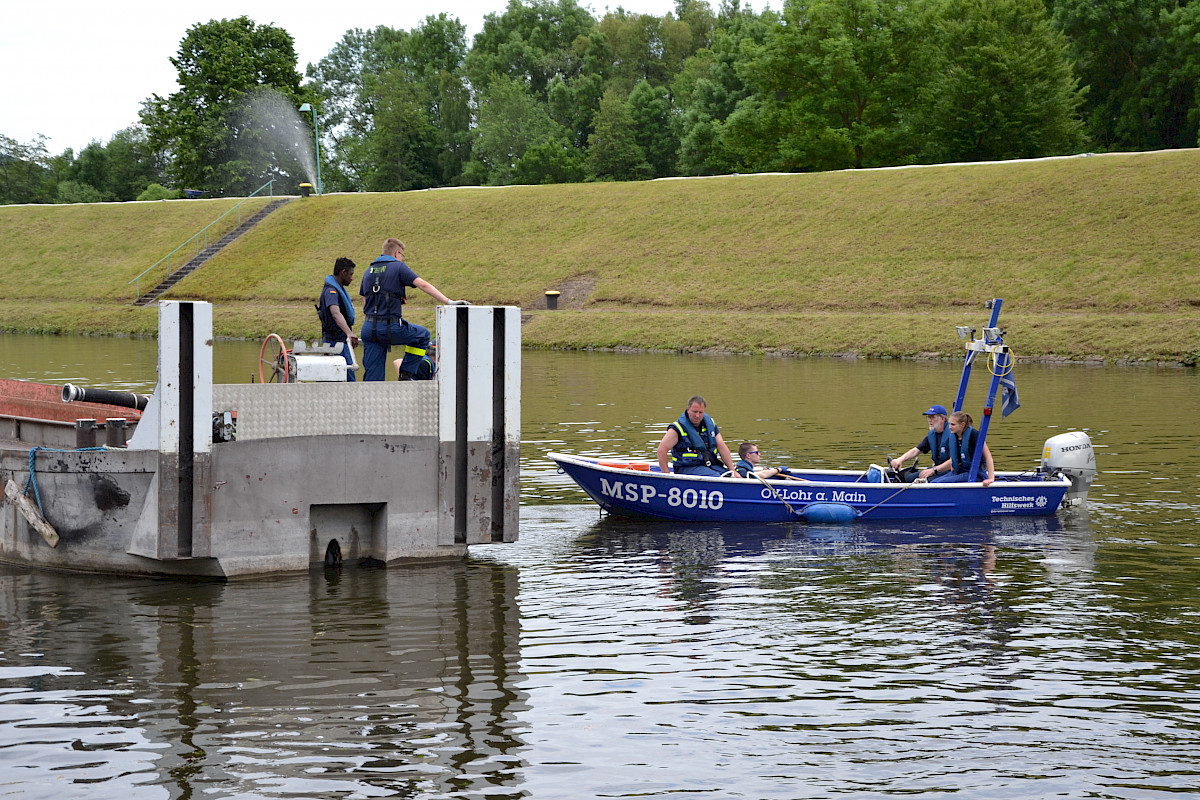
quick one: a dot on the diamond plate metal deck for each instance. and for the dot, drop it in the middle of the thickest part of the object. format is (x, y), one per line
(270, 410)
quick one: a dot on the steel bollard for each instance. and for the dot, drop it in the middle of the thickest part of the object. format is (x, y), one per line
(85, 433)
(115, 432)
(552, 300)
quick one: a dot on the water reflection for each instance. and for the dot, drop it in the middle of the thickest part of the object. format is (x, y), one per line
(599, 657)
(372, 683)
(977, 656)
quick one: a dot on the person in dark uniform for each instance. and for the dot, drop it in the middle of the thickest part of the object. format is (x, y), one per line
(383, 288)
(426, 367)
(693, 443)
(336, 312)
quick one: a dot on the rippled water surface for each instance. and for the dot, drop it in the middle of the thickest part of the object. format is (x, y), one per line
(598, 658)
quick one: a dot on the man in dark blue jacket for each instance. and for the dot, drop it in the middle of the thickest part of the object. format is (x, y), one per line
(336, 312)
(383, 288)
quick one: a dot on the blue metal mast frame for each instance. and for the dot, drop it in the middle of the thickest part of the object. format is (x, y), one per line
(995, 346)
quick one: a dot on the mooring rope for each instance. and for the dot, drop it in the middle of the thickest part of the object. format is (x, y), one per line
(32, 479)
(778, 496)
(889, 497)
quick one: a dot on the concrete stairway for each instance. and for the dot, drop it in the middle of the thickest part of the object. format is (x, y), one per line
(208, 252)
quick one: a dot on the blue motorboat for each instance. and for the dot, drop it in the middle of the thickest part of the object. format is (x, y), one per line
(1067, 468)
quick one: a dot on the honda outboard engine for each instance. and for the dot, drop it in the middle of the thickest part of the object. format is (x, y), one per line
(1072, 455)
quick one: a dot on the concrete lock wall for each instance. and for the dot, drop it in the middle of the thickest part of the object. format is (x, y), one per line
(391, 471)
(479, 424)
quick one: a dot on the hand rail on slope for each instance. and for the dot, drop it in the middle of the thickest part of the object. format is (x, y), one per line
(197, 236)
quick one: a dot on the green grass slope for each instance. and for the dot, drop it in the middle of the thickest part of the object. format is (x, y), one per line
(1096, 258)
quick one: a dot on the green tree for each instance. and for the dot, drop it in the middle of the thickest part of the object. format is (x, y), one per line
(133, 164)
(510, 122)
(1185, 89)
(832, 77)
(207, 126)
(25, 176)
(1000, 84)
(646, 48)
(613, 151)
(699, 17)
(119, 170)
(709, 88)
(1133, 58)
(90, 170)
(156, 191)
(399, 96)
(532, 43)
(654, 127)
(76, 192)
(402, 148)
(553, 161)
(573, 104)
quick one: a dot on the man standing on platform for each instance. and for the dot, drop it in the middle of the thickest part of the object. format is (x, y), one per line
(383, 287)
(337, 312)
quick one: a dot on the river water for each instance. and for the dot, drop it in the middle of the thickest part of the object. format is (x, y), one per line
(598, 658)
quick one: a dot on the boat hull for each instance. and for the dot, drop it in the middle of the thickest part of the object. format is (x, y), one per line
(686, 498)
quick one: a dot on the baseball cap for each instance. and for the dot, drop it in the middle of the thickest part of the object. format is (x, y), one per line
(935, 409)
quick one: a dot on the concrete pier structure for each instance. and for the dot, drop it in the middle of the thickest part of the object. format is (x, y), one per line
(240, 479)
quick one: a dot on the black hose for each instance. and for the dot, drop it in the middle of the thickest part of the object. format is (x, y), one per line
(108, 397)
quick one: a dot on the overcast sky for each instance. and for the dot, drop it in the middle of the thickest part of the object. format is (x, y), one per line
(77, 71)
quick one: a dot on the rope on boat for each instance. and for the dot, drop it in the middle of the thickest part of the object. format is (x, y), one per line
(32, 479)
(778, 496)
(1012, 360)
(889, 497)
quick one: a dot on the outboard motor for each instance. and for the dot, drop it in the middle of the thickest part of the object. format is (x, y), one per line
(1072, 455)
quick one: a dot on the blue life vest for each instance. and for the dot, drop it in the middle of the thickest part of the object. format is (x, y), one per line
(381, 300)
(939, 444)
(695, 446)
(329, 328)
(426, 369)
(744, 468)
(961, 461)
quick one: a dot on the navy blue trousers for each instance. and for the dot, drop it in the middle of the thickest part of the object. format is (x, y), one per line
(378, 336)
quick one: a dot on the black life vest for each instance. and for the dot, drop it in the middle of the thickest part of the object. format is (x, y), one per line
(695, 446)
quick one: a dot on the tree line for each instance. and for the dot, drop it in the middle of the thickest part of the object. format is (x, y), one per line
(548, 93)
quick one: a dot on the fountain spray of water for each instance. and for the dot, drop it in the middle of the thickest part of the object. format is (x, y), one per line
(274, 139)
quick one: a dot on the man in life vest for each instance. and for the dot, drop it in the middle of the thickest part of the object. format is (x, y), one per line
(750, 464)
(936, 442)
(336, 312)
(426, 367)
(694, 444)
(383, 287)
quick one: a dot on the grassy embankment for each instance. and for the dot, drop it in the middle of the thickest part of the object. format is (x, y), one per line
(1096, 259)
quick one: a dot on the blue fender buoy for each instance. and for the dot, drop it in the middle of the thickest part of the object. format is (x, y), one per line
(829, 513)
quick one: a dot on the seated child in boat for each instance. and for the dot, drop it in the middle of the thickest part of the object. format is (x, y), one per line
(749, 461)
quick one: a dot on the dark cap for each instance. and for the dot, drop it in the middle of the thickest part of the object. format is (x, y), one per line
(935, 409)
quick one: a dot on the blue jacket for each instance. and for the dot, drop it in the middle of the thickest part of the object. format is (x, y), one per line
(939, 444)
(960, 461)
(383, 287)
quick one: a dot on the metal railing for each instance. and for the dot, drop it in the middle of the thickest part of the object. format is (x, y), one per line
(197, 237)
